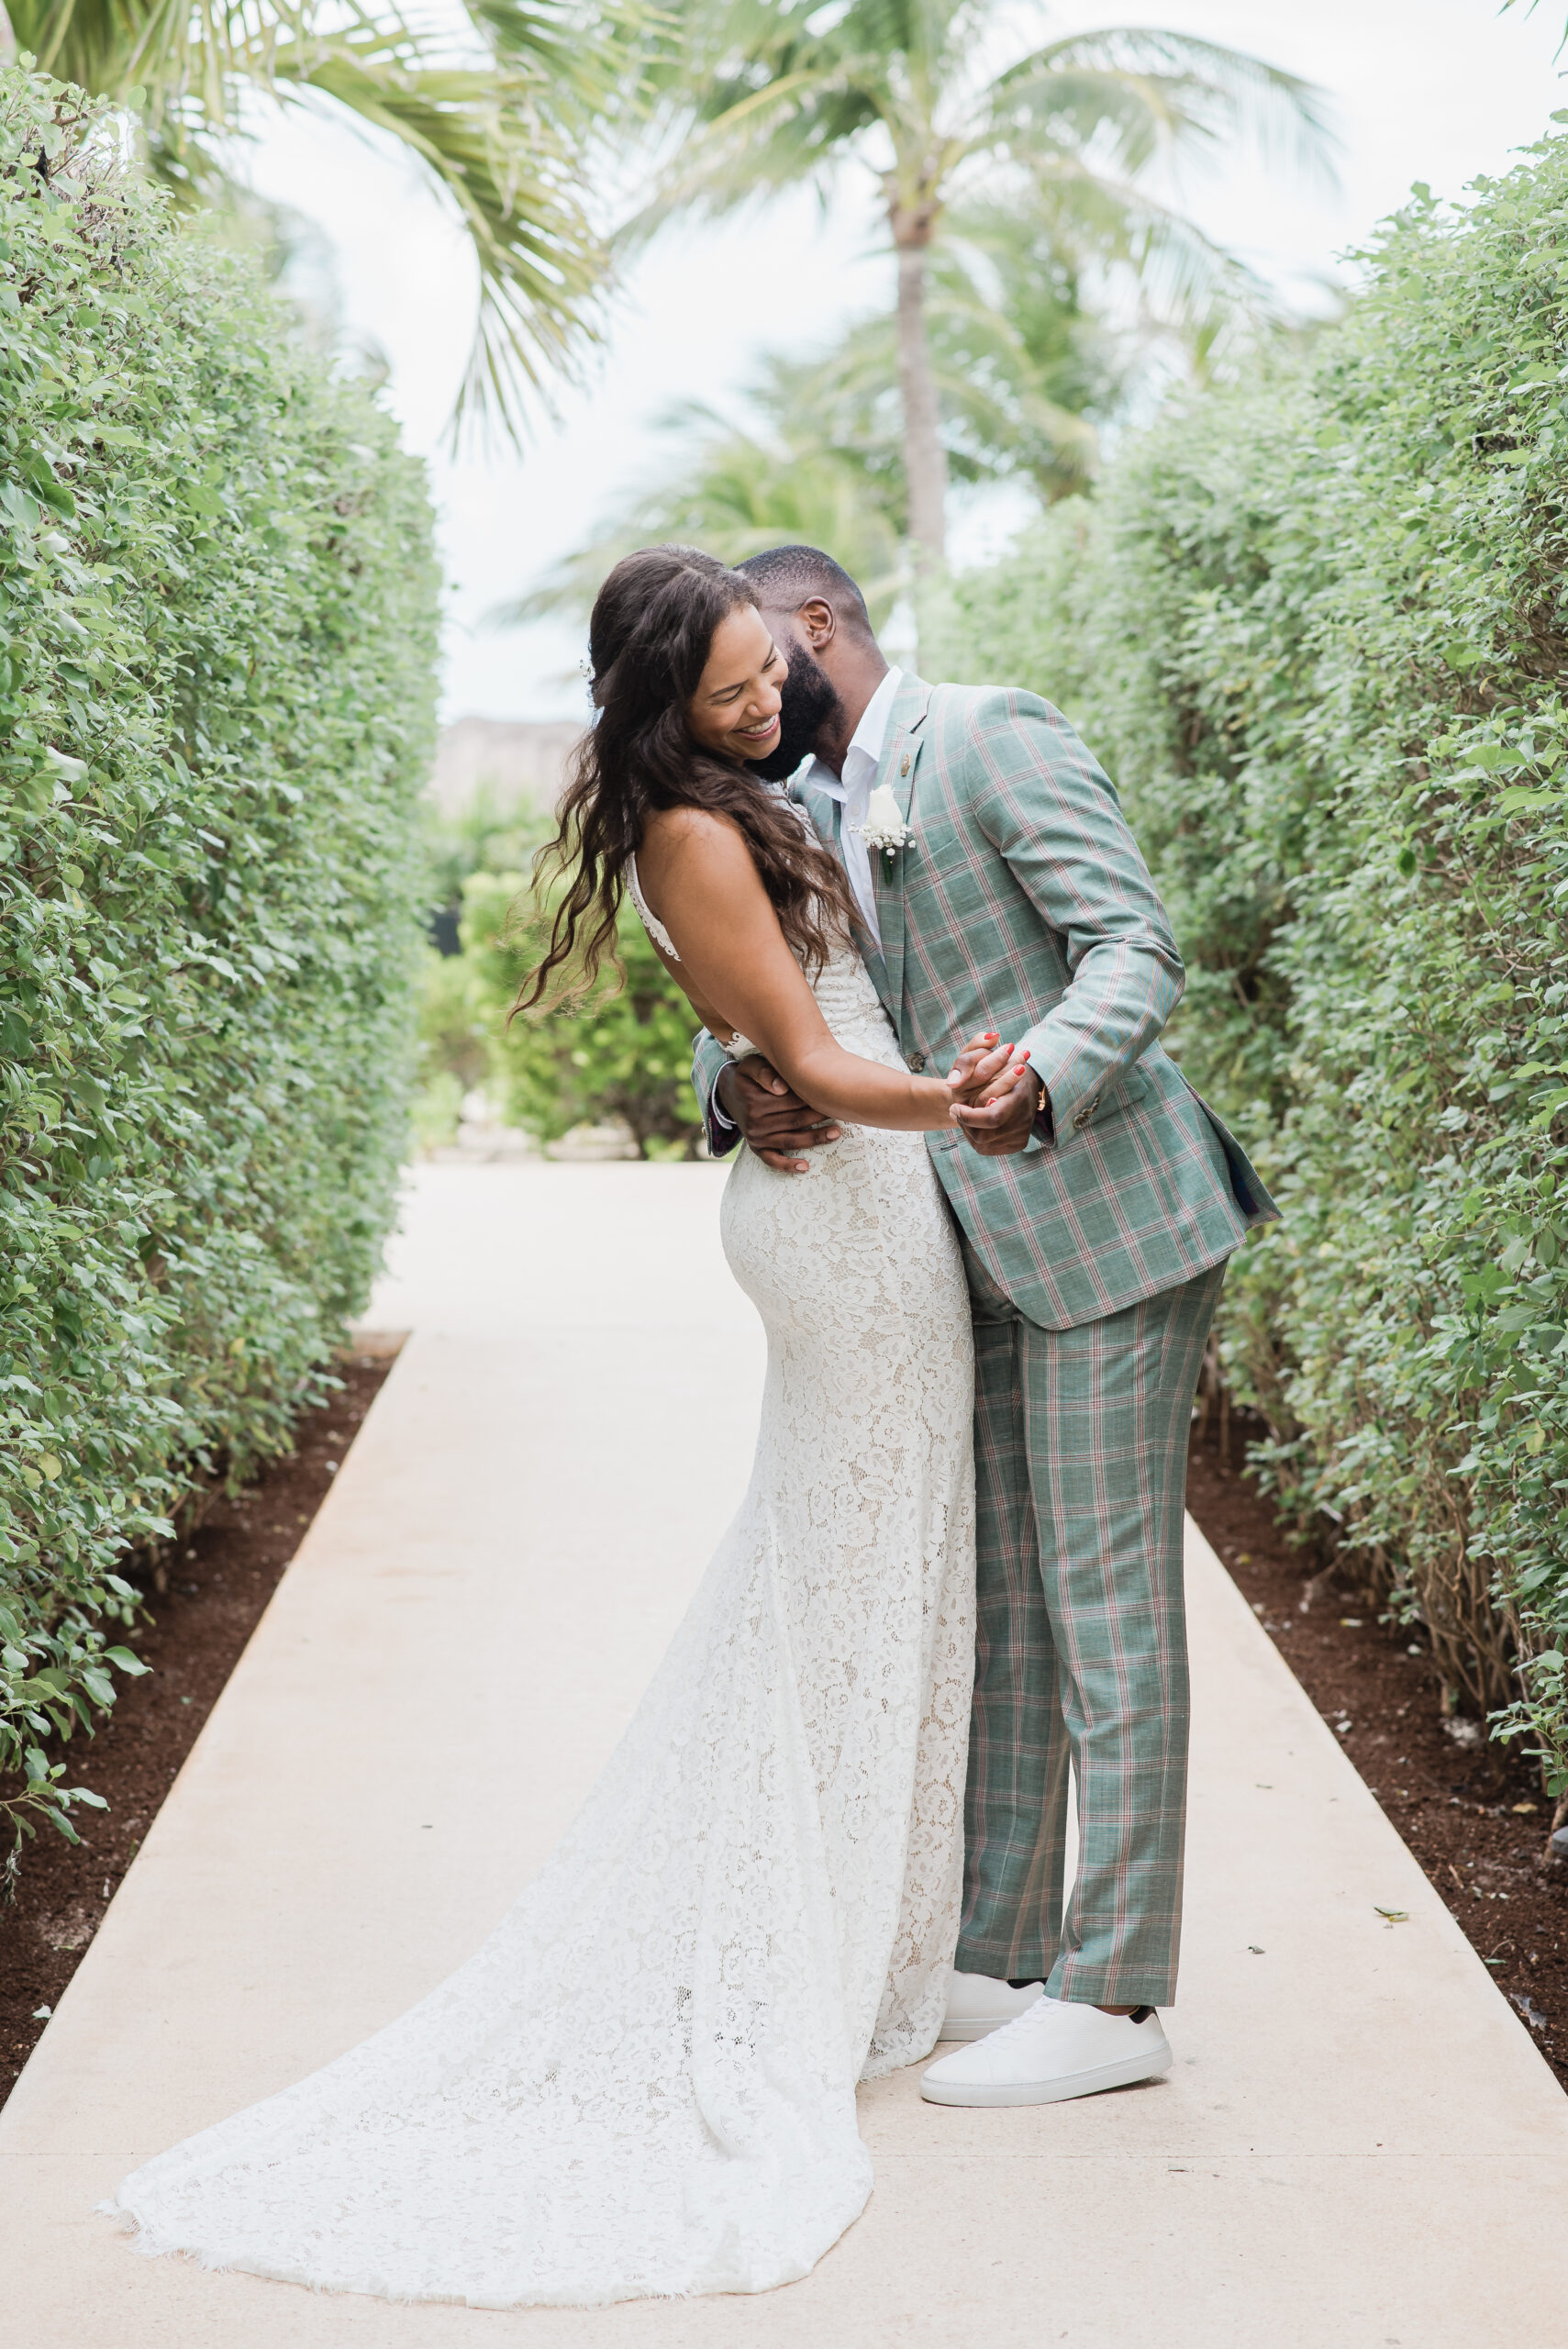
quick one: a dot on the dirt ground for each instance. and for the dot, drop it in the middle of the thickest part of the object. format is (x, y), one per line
(1472, 1812)
(218, 1589)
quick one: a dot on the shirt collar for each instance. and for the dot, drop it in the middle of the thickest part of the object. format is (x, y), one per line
(869, 738)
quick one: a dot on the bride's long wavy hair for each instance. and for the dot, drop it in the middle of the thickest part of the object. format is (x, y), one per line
(649, 638)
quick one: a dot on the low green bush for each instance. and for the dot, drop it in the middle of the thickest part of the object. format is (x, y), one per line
(624, 1051)
(623, 1054)
(216, 641)
(1315, 624)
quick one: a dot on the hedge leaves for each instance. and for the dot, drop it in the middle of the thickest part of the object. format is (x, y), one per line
(217, 624)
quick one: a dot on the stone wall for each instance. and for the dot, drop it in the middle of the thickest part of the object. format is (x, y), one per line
(519, 760)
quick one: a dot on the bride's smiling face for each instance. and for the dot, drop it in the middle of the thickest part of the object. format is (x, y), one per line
(735, 708)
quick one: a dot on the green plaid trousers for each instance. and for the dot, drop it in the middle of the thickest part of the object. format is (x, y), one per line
(1081, 1457)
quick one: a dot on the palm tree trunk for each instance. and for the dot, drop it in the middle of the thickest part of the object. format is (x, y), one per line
(925, 459)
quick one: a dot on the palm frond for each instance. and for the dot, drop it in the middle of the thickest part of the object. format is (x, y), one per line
(1147, 88)
(1530, 11)
(772, 96)
(732, 491)
(795, 130)
(189, 58)
(509, 166)
(1184, 279)
(504, 105)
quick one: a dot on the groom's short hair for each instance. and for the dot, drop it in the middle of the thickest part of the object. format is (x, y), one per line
(786, 577)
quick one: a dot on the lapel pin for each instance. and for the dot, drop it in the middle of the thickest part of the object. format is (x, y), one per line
(904, 768)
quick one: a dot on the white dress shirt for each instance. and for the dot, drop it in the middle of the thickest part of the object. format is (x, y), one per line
(862, 760)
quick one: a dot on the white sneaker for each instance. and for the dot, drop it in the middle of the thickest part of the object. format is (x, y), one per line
(1055, 2049)
(978, 2003)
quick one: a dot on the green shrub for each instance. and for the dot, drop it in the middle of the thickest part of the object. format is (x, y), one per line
(625, 1051)
(489, 834)
(1316, 626)
(452, 1055)
(486, 835)
(216, 657)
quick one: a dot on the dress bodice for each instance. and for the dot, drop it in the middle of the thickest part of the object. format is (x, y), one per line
(646, 915)
(845, 996)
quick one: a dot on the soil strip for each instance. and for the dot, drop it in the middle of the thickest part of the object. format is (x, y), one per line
(218, 1586)
(1472, 1811)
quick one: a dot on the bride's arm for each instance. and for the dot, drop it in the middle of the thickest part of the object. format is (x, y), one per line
(698, 873)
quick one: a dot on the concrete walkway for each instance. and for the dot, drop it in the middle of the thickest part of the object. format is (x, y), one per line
(1359, 2146)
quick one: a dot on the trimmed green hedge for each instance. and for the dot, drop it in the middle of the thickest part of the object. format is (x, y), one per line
(216, 641)
(1317, 626)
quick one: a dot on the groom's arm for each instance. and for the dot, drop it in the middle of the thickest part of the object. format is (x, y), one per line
(709, 1061)
(774, 1122)
(1053, 814)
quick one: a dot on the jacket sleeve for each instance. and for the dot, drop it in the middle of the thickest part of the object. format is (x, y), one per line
(709, 1060)
(1053, 815)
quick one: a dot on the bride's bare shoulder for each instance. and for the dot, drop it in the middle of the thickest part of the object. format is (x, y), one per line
(695, 841)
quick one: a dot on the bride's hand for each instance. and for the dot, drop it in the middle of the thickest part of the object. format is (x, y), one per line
(980, 1072)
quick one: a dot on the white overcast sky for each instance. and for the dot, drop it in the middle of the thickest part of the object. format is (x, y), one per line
(1434, 89)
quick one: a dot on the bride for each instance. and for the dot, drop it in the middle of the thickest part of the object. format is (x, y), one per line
(644, 2082)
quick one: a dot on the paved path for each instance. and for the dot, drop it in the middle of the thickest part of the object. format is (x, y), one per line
(1359, 2146)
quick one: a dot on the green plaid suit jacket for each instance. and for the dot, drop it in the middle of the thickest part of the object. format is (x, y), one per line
(1023, 905)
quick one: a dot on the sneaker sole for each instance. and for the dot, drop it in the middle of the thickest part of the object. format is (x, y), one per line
(1125, 2074)
(969, 2027)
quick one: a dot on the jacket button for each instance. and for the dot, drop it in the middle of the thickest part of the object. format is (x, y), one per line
(916, 1062)
(1085, 1116)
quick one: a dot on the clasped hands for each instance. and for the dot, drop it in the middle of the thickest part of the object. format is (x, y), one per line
(996, 1101)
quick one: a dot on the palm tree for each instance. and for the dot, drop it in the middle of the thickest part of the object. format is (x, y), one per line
(499, 107)
(1031, 349)
(776, 93)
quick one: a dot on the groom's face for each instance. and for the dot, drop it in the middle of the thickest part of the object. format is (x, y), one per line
(809, 701)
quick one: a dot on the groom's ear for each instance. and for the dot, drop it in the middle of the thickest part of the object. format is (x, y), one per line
(819, 621)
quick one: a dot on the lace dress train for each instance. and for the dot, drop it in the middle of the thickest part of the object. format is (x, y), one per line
(644, 2082)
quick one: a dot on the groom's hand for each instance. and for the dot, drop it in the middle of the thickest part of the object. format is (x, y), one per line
(776, 1123)
(1005, 1123)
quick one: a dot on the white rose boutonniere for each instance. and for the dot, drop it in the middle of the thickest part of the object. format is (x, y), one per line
(885, 828)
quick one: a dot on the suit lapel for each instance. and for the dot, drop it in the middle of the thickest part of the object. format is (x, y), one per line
(900, 759)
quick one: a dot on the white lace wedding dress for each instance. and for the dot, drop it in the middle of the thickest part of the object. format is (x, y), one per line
(644, 2082)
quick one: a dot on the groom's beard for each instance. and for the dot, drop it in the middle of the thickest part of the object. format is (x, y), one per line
(807, 700)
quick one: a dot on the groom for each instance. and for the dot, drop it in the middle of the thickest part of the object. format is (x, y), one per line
(1098, 1201)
